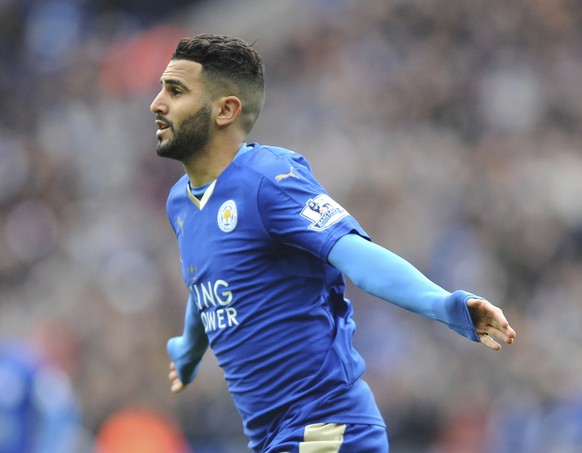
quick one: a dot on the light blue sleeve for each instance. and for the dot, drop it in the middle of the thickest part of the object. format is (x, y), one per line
(186, 351)
(384, 274)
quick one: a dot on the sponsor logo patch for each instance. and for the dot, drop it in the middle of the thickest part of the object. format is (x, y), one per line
(227, 216)
(323, 212)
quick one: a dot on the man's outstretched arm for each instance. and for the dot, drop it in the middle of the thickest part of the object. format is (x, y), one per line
(187, 350)
(384, 274)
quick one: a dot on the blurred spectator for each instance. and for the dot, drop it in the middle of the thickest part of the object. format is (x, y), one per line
(133, 430)
(39, 412)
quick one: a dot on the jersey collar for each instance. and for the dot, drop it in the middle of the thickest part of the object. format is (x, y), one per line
(200, 203)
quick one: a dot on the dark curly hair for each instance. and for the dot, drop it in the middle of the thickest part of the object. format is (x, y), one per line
(230, 66)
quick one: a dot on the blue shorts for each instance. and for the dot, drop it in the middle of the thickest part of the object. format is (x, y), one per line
(333, 438)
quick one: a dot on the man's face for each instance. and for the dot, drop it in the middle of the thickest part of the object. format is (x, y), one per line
(183, 113)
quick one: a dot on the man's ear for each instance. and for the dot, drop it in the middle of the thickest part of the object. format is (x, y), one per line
(229, 109)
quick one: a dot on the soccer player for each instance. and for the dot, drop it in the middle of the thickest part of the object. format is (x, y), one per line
(264, 249)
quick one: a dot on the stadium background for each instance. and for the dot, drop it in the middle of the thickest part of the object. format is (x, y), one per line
(451, 129)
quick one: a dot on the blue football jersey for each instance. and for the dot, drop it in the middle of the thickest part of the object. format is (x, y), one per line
(254, 257)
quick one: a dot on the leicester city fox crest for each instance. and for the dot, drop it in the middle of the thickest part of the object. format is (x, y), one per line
(323, 212)
(227, 216)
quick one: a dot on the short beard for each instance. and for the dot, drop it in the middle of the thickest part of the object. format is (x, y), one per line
(190, 139)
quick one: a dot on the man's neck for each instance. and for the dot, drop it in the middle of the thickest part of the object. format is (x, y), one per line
(208, 165)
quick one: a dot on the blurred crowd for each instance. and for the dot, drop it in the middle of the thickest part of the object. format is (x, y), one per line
(452, 130)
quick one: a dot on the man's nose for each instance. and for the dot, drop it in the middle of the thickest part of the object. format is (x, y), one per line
(158, 106)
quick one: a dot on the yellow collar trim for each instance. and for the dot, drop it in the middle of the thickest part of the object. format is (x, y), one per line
(202, 202)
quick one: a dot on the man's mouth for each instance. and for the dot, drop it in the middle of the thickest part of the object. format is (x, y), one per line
(163, 127)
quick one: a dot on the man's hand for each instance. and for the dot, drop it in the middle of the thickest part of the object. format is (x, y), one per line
(176, 384)
(490, 322)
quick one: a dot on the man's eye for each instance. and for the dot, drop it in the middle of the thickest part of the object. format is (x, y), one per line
(176, 92)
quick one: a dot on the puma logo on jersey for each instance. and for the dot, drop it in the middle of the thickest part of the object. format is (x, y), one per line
(286, 175)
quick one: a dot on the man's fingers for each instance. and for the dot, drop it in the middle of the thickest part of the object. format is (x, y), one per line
(489, 342)
(176, 384)
(505, 333)
(490, 321)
